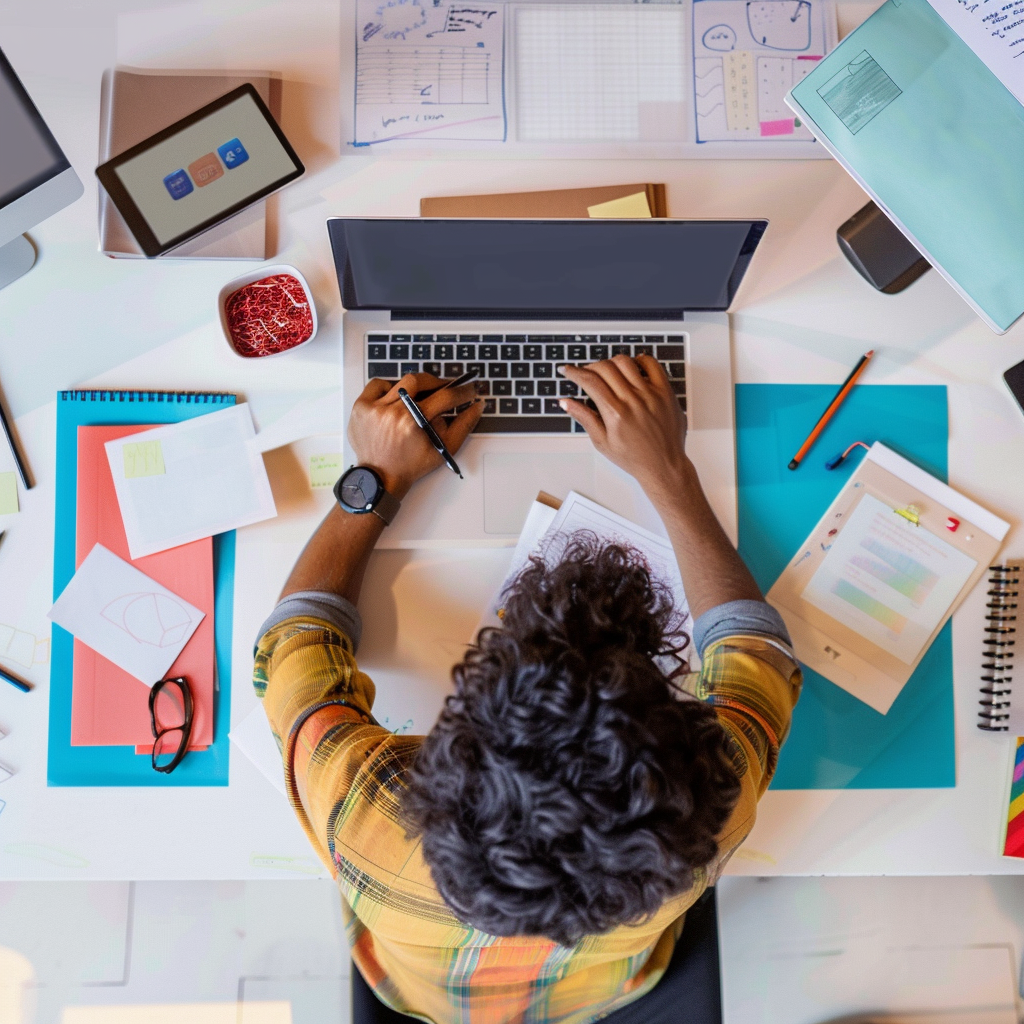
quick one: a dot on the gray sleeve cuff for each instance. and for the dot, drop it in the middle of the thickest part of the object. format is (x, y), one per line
(332, 608)
(736, 618)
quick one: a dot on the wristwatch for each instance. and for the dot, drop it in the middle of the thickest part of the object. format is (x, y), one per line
(361, 490)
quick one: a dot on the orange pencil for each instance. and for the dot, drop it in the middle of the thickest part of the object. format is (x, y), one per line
(831, 410)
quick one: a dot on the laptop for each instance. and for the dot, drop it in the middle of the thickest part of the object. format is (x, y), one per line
(513, 299)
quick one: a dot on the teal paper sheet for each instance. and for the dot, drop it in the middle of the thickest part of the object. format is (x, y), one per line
(931, 132)
(837, 741)
(67, 765)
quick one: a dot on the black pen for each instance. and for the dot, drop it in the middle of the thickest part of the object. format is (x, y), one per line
(424, 424)
(14, 681)
(22, 471)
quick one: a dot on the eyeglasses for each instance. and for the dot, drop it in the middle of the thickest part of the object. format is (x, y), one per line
(170, 714)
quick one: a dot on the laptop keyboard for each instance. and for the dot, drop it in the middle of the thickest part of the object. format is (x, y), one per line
(520, 385)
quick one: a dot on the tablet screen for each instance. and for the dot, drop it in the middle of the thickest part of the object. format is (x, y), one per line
(205, 169)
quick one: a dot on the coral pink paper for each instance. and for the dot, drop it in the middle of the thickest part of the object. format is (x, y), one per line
(109, 707)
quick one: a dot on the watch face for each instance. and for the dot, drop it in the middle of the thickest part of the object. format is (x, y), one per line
(359, 488)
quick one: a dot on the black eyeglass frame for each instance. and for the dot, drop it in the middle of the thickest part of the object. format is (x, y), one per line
(185, 728)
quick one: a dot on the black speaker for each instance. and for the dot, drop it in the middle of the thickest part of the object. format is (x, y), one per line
(879, 251)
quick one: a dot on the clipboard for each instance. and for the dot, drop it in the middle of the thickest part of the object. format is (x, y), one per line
(863, 610)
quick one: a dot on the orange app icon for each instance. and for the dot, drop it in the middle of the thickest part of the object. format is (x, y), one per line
(205, 169)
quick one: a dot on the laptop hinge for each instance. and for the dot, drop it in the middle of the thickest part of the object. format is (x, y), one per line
(535, 314)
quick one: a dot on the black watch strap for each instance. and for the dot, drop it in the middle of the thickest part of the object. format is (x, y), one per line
(387, 507)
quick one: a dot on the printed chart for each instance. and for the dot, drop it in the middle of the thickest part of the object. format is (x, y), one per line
(747, 55)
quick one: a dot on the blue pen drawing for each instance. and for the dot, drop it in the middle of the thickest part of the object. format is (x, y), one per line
(720, 37)
(780, 24)
(397, 19)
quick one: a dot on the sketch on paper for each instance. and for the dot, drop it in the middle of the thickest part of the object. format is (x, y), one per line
(22, 647)
(426, 69)
(154, 618)
(747, 55)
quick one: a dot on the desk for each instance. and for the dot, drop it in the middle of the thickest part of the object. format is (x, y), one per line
(803, 315)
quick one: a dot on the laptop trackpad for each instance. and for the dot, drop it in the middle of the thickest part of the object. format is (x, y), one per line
(511, 483)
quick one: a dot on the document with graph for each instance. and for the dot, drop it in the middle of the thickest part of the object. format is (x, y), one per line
(886, 566)
(572, 78)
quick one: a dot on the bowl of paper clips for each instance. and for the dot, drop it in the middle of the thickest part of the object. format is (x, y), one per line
(267, 312)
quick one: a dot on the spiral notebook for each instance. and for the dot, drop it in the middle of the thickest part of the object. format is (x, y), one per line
(69, 765)
(999, 712)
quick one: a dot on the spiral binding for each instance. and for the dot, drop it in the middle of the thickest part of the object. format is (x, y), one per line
(1000, 617)
(177, 397)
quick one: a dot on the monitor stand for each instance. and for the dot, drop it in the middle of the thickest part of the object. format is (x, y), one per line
(16, 258)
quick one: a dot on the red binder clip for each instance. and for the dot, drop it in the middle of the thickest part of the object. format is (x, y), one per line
(952, 524)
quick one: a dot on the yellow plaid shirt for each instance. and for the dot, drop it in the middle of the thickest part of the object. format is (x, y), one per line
(345, 774)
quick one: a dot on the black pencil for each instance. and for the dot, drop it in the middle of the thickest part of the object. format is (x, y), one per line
(22, 471)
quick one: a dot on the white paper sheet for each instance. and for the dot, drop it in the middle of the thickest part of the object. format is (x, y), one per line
(122, 614)
(429, 70)
(189, 480)
(254, 738)
(889, 580)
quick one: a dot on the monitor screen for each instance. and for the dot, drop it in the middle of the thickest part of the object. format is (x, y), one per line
(542, 266)
(29, 154)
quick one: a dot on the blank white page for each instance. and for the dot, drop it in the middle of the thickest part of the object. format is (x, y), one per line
(604, 72)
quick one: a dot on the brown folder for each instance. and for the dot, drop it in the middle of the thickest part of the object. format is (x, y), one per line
(557, 204)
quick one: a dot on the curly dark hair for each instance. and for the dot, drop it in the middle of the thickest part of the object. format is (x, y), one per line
(566, 789)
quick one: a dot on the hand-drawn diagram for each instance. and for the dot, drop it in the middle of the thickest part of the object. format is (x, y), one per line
(859, 92)
(747, 55)
(22, 647)
(154, 619)
(429, 71)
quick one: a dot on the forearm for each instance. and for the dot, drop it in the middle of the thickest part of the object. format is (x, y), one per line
(335, 559)
(712, 570)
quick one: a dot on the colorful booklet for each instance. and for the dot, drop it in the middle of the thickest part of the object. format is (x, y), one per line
(1013, 844)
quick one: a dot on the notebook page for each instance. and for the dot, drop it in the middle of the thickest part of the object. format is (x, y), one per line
(600, 73)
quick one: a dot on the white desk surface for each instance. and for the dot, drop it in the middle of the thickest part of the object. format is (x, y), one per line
(802, 315)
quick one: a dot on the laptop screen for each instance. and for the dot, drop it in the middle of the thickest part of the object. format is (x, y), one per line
(650, 267)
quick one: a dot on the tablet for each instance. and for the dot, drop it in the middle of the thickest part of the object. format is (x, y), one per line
(200, 170)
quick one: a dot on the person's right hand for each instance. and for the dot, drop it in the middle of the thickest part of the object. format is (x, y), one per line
(638, 424)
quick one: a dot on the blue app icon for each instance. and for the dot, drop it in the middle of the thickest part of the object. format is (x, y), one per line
(232, 153)
(179, 184)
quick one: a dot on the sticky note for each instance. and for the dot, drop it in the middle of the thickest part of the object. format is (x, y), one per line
(8, 493)
(324, 470)
(143, 458)
(635, 205)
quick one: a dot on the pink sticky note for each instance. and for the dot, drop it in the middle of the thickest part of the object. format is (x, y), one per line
(783, 127)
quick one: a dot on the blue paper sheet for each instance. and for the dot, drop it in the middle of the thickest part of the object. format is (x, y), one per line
(837, 741)
(120, 766)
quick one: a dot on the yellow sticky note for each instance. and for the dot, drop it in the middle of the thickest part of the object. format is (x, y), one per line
(740, 92)
(635, 205)
(324, 470)
(143, 458)
(8, 493)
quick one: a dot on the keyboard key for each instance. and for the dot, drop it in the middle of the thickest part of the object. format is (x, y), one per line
(493, 339)
(546, 387)
(378, 337)
(401, 339)
(553, 353)
(472, 339)
(531, 406)
(508, 407)
(679, 387)
(520, 369)
(483, 387)
(421, 351)
(398, 352)
(501, 387)
(525, 425)
(578, 428)
(682, 403)
(515, 339)
(643, 350)
(552, 408)
(540, 339)
(632, 339)
(422, 338)
(598, 352)
(588, 339)
(376, 351)
(490, 407)
(480, 369)
(563, 338)
(389, 371)
(567, 387)
(654, 339)
(677, 370)
(533, 352)
(611, 339)
(434, 368)
(497, 369)
(621, 350)
(453, 369)
(444, 351)
(543, 370)
(446, 339)
(465, 351)
(675, 352)
(524, 387)
(577, 351)
(510, 352)
(410, 368)
(487, 352)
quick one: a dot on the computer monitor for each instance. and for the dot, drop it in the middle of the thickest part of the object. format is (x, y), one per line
(36, 179)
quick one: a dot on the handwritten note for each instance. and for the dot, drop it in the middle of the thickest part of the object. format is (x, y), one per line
(429, 70)
(324, 470)
(144, 458)
(8, 493)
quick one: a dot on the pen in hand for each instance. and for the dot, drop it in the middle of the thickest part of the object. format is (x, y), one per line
(424, 424)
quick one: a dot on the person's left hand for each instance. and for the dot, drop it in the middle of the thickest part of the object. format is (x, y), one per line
(386, 438)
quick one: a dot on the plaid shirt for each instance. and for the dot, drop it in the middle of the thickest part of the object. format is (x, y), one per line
(344, 775)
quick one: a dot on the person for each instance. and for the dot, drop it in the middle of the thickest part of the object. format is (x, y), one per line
(532, 859)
